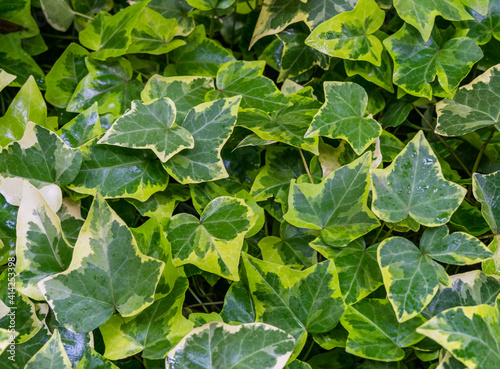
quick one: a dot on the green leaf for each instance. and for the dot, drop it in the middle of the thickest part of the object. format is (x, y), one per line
(42, 249)
(449, 60)
(107, 273)
(210, 124)
(319, 11)
(486, 188)
(358, 270)
(186, 92)
(484, 25)
(153, 34)
(45, 158)
(297, 57)
(414, 185)
(177, 10)
(109, 83)
(213, 242)
(375, 333)
(287, 125)
(65, 75)
(151, 126)
(28, 105)
(5, 79)
(23, 352)
(245, 78)
(110, 36)
(337, 206)
(220, 345)
(341, 116)
(238, 302)
(421, 13)
(155, 331)
(5, 337)
(471, 334)
(468, 219)
(295, 301)
(457, 248)
(51, 356)
(8, 214)
(83, 128)
(89, 8)
(203, 4)
(58, 13)
(200, 56)
(348, 35)
(493, 266)
(93, 360)
(381, 75)
(75, 344)
(19, 12)
(411, 277)
(115, 172)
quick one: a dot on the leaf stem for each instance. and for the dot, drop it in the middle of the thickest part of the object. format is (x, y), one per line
(206, 304)
(306, 355)
(212, 21)
(483, 148)
(486, 236)
(82, 15)
(198, 299)
(250, 6)
(306, 166)
(443, 142)
(388, 232)
(378, 233)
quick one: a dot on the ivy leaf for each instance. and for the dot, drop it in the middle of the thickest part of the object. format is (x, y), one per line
(153, 34)
(337, 206)
(82, 129)
(245, 78)
(414, 185)
(45, 158)
(19, 13)
(5, 79)
(287, 125)
(295, 301)
(358, 270)
(8, 213)
(484, 26)
(375, 333)
(155, 331)
(150, 125)
(24, 351)
(200, 56)
(177, 10)
(220, 345)
(210, 124)
(213, 242)
(28, 105)
(115, 172)
(297, 57)
(348, 35)
(341, 116)
(93, 359)
(107, 273)
(319, 11)
(470, 333)
(381, 75)
(58, 14)
(186, 92)
(486, 188)
(468, 219)
(42, 249)
(65, 75)
(89, 8)
(109, 83)
(52, 355)
(162, 204)
(421, 14)
(449, 60)
(110, 36)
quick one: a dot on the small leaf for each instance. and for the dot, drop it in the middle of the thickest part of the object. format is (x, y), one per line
(341, 116)
(162, 204)
(493, 266)
(485, 24)
(381, 75)
(177, 10)
(486, 188)
(51, 356)
(414, 185)
(107, 273)
(348, 35)
(24, 351)
(93, 359)
(83, 128)
(5, 79)
(150, 125)
(220, 345)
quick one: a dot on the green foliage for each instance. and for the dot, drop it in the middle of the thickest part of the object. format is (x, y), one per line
(280, 184)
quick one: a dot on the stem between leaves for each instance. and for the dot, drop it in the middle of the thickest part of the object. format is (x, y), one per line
(483, 148)
(306, 166)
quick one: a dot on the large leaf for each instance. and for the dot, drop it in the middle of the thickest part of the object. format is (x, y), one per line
(23, 352)
(115, 172)
(341, 116)
(337, 206)
(220, 345)
(109, 83)
(186, 92)
(319, 11)
(349, 35)
(414, 185)
(155, 331)
(245, 78)
(58, 13)
(295, 301)
(40, 157)
(485, 24)
(473, 106)
(375, 333)
(51, 356)
(19, 13)
(110, 36)
(471, 334)
(107, 274)
(486, 190)
(213, 242)
(210, 124)
(421, 13)
(449, 60)
(150, 125)
(42, 249)
(65, 75)
(27, 106)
